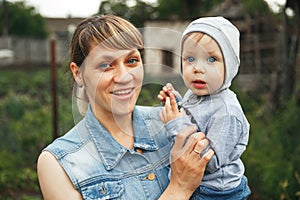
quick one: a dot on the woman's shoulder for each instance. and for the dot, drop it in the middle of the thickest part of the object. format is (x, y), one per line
(69, 142)
(53, 180)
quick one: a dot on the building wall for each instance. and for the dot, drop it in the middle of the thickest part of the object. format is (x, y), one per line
(159, 37)
(29, 52)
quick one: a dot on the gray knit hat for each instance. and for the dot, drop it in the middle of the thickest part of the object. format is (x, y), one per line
(228, 38)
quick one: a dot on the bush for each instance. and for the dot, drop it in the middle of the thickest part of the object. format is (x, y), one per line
(26, 127)
(272, 156)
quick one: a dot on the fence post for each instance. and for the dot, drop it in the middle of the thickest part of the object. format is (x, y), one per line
(53, 88)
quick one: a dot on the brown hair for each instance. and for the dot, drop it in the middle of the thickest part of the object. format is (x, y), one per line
(108, 30)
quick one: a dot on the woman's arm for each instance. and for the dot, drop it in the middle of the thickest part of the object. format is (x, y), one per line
(187, 168)
(54, 182)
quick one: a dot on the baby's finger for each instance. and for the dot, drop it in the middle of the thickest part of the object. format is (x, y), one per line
(161, 115)
(168, 105)
(173, 102)
(160, 98)
(169, 86)
(166, 90)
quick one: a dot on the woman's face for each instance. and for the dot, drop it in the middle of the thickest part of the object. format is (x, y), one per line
(112, 80)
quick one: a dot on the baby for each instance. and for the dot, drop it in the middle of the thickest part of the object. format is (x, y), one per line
(209, 62)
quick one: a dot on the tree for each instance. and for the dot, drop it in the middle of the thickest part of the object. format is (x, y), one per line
(285, 82)
(141, 11)
(137, 14)
(21, 20)
(183, 9)
(290, 43)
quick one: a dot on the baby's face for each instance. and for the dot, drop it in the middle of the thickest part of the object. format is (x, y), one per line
(203, 65)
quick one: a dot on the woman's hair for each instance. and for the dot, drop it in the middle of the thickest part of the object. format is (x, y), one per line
(107, 30)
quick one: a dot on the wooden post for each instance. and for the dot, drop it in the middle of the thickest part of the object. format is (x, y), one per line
(5, 18)
(53, 88)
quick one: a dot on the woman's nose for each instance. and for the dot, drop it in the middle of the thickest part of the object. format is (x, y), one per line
(123, 74)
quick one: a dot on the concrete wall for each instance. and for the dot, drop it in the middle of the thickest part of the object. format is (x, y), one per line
(162, 36)
(29, 52)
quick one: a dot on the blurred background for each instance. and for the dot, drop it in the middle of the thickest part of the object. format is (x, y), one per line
(36, 86)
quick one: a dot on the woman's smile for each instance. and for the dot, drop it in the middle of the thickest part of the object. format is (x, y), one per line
(123, 94)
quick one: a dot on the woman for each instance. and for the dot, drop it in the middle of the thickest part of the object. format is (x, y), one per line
(118, 150)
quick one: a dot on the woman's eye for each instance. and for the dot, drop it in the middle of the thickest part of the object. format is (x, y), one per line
(104, 66)
(190, 59)
(212, 59)
(132, 60)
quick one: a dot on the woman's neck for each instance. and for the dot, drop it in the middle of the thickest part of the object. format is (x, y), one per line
(120, 127)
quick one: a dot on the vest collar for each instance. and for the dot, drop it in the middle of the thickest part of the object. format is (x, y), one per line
(110, 151)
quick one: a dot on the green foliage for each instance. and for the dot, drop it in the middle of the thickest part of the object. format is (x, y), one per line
(26, 127)
(167, 10)
(142, 11)
(148, 96)
(272, 156)
(188, 9)
(256, 7)
(22, 20)
(136, 14)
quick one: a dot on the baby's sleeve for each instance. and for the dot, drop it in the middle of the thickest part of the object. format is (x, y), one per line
(226, 136)
(177, 124)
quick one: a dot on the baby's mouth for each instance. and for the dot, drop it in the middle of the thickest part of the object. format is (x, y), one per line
(199, 82)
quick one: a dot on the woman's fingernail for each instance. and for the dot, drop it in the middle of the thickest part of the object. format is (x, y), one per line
(210, 152)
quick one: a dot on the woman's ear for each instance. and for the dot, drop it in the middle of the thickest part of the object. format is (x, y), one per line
(76, 73)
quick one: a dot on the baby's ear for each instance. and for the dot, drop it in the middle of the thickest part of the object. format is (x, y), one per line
(76, 73)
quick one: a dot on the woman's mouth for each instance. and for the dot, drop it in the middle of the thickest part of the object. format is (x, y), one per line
(123, 94)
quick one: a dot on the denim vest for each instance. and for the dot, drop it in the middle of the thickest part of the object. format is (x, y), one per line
(100, 168)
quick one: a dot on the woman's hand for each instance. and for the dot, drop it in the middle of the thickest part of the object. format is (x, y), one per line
(187, 167)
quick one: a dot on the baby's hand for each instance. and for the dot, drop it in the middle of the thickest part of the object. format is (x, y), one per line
(170, 110)
(165, 92)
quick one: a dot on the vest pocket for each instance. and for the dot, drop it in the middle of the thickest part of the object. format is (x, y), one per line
(103, 190)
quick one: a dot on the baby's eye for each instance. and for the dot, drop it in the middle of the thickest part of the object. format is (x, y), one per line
(212, 59)
(104, 66)
(190, 59)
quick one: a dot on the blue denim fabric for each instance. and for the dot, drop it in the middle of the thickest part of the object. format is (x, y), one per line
(241, 192)
(100, 168)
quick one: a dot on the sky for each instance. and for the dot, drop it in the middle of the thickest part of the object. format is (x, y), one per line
(80, 8)
(65, 8)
